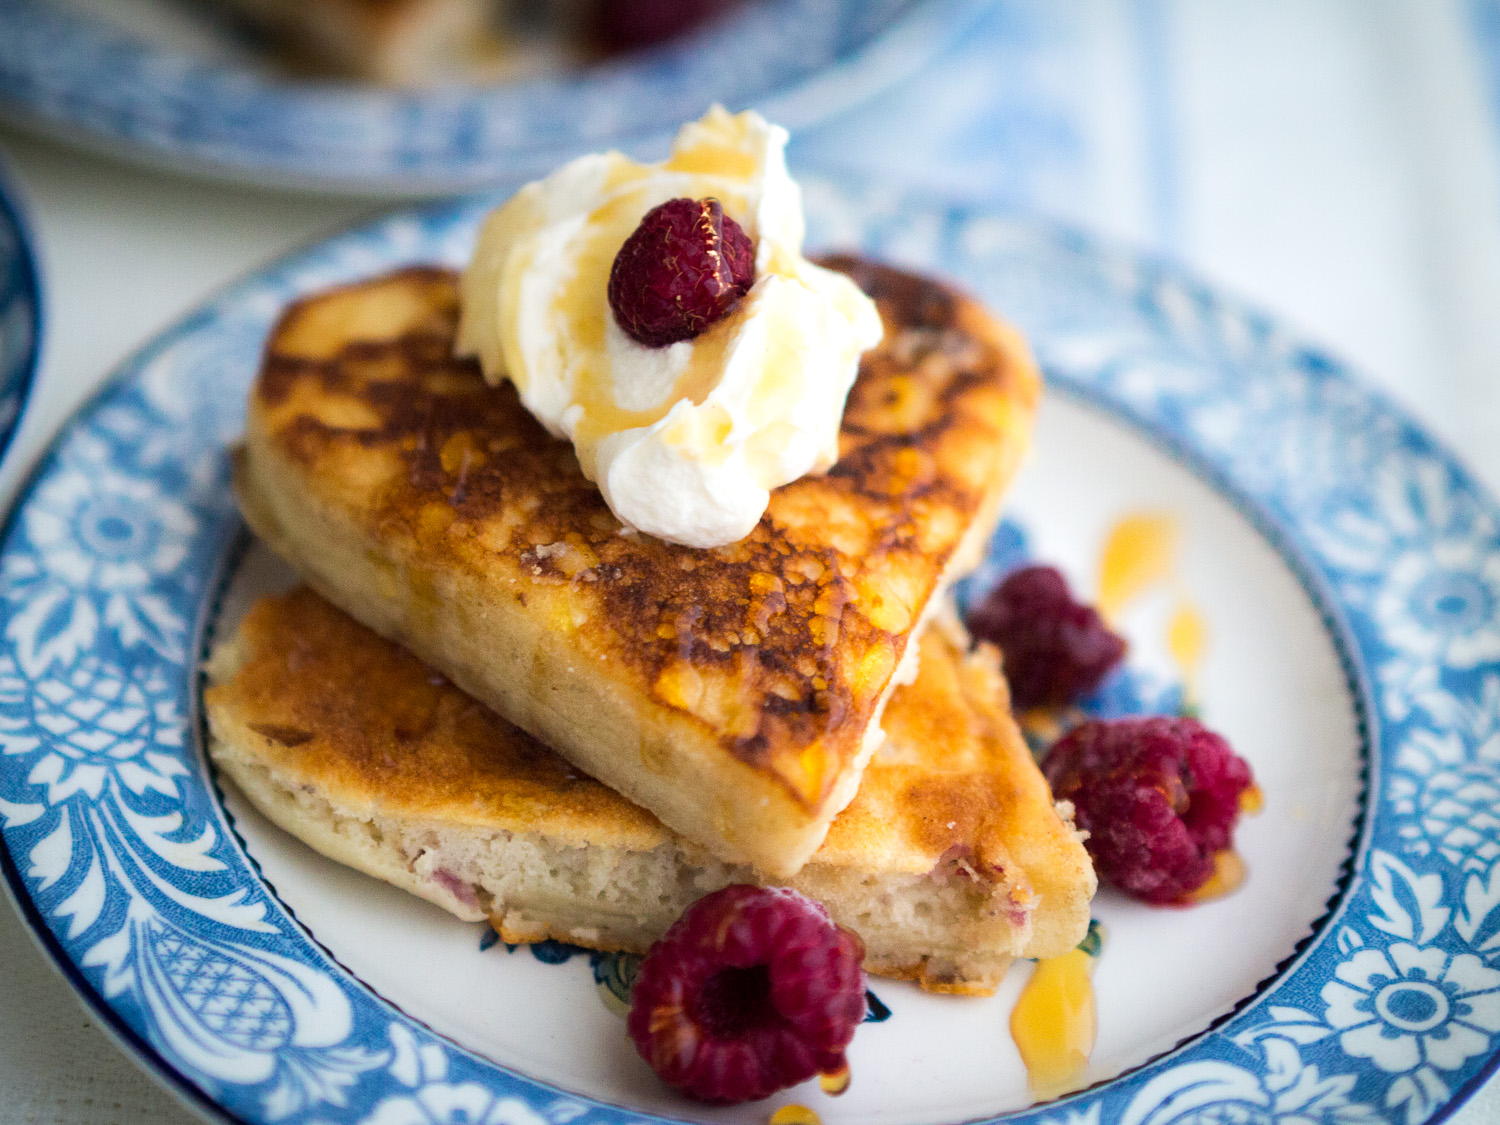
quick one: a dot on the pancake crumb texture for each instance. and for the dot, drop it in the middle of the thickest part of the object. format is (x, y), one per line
(735, 692)
(951, 861)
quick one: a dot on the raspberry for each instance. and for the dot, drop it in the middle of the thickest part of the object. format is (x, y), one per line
(1158, 797)
(1054, 648)
(682, 269)
(622, 25)
(752, 990)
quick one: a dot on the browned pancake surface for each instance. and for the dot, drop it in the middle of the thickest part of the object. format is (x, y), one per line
(779, 646)
(372, 726)
(375, 731)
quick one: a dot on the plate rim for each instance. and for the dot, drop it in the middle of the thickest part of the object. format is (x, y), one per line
(1092, 245)
(16, 212)
(923, 30)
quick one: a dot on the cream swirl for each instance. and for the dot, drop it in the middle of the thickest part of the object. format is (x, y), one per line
(685, 441)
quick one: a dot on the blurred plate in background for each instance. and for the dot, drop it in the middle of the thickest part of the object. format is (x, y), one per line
(154, 81)
(20, 310)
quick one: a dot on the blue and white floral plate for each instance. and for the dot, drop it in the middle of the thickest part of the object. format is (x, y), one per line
(141, 85)
(20, 309)
(1342, 572)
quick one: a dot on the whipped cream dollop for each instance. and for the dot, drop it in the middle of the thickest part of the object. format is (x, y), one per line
(684, 441)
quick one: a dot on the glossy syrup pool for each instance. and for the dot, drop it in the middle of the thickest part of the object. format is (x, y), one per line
(1056, 1018)
(1227, 614)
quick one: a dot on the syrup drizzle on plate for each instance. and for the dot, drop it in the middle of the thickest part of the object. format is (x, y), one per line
(835, 1082)
(1229, 874)
(1140, 552)
(795, 1114)
(1187, 637)
(1054, 1022)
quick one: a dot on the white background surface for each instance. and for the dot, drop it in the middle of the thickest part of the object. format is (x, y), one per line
(1333, 160)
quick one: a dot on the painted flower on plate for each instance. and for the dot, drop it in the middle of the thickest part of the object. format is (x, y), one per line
(1411, 1006)
(1283, 1091)
(1443, 603)
(1404, 682)
(100, 543)
(89, 722)
(109, 532)
(1474, 712)
(1413, 504)
(1446, 794)
(1300, 1095)
(445, 1103)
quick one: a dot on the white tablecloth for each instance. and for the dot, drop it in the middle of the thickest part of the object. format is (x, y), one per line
(1336, 162)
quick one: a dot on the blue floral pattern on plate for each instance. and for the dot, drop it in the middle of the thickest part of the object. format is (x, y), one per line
(124, 864)
(73, 73)
(20, 311)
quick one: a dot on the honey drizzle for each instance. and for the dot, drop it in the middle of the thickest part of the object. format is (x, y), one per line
(1229, 874)
(835, 1082)
(580, 310)
(795, 1115)
(1140, 552)
(1187, 637)
(1054, 1022)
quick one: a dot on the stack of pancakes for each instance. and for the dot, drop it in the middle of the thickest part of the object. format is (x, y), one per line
(795, 708)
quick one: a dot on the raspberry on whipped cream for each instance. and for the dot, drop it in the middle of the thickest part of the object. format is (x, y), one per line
(685, 441)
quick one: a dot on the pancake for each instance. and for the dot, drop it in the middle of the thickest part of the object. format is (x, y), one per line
(399, 41)
(410, 42)
(736, 693)
(950, 861)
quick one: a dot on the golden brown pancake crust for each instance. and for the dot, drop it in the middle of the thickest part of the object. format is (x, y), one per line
(369, 723)
(781, 645)
(333, 709)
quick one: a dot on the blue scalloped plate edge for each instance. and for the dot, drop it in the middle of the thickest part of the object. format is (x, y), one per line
(1077, 242)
